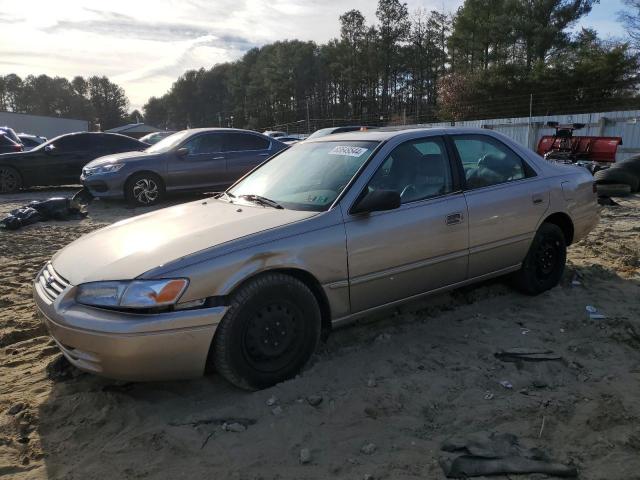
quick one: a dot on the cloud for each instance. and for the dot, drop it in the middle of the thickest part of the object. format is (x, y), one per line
(112, 23)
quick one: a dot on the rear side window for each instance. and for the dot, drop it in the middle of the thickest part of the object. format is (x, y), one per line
(117, 142)
(237, 142)
(487, 161)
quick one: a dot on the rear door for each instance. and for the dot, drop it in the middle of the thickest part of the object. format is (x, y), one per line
(506, 201)
(204, 166)
(244, 151)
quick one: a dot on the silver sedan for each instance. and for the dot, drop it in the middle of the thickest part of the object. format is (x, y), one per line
(319, 235)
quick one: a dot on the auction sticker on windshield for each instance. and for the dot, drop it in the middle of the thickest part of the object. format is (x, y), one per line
(347, 151)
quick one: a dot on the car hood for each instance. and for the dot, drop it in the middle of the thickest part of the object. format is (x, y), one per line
(119, 157)
(129, 248)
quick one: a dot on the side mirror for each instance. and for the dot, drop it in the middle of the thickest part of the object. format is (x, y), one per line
(182, 152)
(377, 201)
(49, 148)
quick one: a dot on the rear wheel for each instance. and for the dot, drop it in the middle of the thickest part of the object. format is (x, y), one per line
(10, 180)
(270, 331)
(543, 266)
(144, 189)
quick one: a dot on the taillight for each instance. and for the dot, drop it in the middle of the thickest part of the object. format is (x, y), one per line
(17, 148)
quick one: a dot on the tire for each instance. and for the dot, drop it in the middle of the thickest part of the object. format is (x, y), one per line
(144, 189)
(631, 164)
(245, 349)
(543, 266)
(618, 175)
(10, 179)
(613, 190)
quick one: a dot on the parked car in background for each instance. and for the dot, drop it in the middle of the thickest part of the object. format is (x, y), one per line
(30, 141)
(333, 130)
(155, 137)
(9, 146)
(274, 133)
(289, 140)
(191, 160)
(60, 161)
(11, 133)
(323, 233)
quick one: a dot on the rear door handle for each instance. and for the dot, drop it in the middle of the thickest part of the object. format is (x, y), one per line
(218, 158)
(264, 154)
(537, 198)
(454, 218)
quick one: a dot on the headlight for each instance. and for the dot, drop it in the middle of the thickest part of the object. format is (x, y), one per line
(108, 168)
(133, 294)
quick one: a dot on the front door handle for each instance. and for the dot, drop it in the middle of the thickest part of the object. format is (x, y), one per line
(264, 154)
(537, 199)
(218, 158)
(454, 218)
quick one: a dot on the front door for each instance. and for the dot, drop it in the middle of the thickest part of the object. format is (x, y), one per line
(421, 246)
(506, 202)
(203, 166)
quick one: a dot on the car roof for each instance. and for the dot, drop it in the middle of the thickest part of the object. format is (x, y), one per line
(221, 129)
(387, 133)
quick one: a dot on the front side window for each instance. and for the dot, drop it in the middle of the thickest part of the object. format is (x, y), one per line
(72, 143)
(487, 161)
(307, 176)
(202, 144)
(417, 170)
(170, 142)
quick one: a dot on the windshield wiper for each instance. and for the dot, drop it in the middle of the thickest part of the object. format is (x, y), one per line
(262, 200)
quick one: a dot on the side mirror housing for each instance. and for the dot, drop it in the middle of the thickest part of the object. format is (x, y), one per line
(182, 152)
(49, 148)
(377, 201)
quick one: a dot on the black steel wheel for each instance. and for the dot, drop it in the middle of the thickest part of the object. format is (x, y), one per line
(544, 264)
(268, 334)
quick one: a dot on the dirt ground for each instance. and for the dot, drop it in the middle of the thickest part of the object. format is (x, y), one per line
(404, 381)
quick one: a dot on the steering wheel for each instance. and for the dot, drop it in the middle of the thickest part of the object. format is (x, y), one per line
(407, 189)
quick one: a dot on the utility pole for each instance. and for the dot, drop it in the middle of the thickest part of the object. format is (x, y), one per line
(308, 120)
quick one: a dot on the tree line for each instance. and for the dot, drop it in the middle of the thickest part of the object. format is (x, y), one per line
(485, 60)
(491, 58)
(96, 99)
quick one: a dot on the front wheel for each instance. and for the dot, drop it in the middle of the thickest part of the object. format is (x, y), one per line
(144, 189)
(10, 180)
(268, 334)
(543, 266)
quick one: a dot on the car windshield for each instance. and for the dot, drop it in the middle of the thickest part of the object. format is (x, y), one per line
(169, 142)
(307, 176)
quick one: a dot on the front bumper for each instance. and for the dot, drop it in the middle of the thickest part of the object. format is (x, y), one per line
(129, 346)
(104, 185)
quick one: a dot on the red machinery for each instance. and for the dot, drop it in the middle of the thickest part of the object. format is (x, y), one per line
(564, 147)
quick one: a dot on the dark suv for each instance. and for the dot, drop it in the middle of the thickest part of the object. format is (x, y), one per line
(60, 161)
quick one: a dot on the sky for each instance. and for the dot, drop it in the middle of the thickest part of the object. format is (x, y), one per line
(144, 45)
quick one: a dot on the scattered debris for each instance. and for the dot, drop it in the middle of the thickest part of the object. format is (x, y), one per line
(526, 354)
(271, 401)
(314, 400)
(16, 408)
(371, 382)
(594, 314)
(277, 410)
(57, 208)
(495, 454)
(305, 456)
(233, 427)
(488, 395)
(575, 282)
(368, 448)
(506, 384)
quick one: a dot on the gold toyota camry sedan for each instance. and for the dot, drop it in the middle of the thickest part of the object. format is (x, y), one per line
(318, 235)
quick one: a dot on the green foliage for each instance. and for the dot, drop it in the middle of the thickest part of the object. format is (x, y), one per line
(96, 99)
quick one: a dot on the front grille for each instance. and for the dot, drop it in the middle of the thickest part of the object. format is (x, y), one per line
(51, 283)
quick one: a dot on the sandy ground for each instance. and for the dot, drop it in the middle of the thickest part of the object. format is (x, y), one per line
(404, 381)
